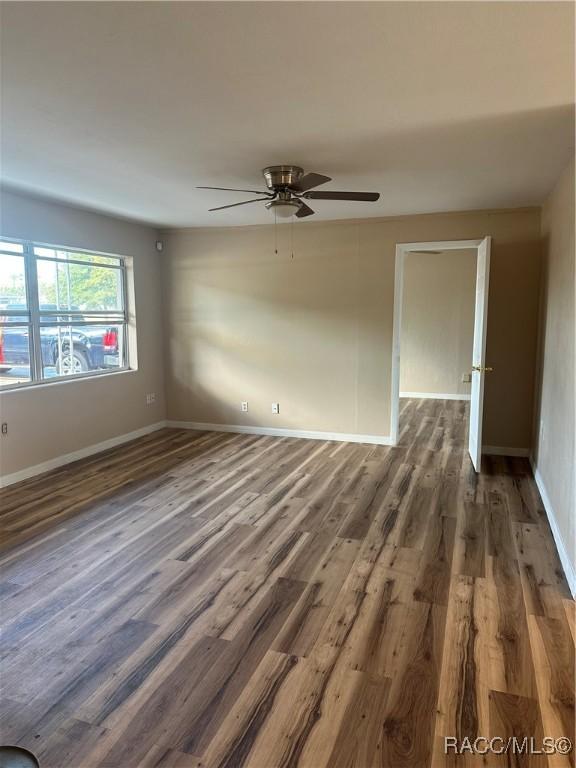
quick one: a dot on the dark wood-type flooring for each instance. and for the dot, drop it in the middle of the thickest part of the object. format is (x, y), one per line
(218, 600)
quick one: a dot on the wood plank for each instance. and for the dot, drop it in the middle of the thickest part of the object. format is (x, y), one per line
(230, 601)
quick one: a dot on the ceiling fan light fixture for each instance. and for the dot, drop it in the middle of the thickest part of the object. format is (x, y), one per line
(284, 209)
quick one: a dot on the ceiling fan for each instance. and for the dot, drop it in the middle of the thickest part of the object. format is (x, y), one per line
(288, 187)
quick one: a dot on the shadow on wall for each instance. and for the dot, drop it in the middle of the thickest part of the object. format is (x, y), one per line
(542, 328)
(511, 345)
(231, 346)
(314, 332)
(437, 321)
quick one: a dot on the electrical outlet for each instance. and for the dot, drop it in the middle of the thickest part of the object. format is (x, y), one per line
(5, 428)
(244, 406)
(275, 407)
(466, 378)
(150, 398)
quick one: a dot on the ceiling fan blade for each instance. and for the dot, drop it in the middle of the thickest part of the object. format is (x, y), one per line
(310, 180)
(233, 205)
(368, 197)
(303, 211)
(228, 189)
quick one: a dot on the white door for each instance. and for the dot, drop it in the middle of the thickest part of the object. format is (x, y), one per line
(479, 368)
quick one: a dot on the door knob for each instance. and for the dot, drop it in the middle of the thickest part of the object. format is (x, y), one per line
(482, 369)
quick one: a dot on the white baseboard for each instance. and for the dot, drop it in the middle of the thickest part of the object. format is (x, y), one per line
(501, 450)
(341, 437)
(434, 396)
(68, 458)
(567, 564)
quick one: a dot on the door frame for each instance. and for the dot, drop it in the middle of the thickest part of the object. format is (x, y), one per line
(401, 250)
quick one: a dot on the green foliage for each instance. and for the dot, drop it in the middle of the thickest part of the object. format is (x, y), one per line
(82, 286)
(14, 291)
(69, 286)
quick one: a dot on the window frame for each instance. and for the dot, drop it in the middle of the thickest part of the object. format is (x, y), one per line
(35, 318)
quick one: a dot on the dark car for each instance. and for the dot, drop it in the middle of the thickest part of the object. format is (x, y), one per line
(93, 347)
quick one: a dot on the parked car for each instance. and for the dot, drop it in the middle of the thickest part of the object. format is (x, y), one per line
(93, 347)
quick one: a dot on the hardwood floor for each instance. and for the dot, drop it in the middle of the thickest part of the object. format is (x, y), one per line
(220, 601)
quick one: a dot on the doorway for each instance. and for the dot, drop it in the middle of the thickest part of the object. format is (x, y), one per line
(478, 368)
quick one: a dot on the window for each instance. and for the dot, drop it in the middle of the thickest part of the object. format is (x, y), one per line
(62, 313)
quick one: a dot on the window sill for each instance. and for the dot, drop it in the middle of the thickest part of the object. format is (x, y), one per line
(32, 385)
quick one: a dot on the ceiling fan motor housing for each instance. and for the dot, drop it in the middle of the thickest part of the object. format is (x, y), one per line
(282, 175)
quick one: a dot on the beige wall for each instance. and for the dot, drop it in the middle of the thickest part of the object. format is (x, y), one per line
(554, 453)
(437, 322)
(315, 332)
(242, 323)
(47, 421)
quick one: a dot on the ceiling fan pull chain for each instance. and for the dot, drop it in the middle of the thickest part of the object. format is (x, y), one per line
(275, 233)
(292, 237)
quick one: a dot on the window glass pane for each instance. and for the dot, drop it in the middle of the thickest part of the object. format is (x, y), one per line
(79, 287)
(12, 247)
(14, 354)
(12, 285)
(6, 319)
(81, 325)
(90, 258)
(77, 349)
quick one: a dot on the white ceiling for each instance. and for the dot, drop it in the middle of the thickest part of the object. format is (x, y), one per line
(126, 107)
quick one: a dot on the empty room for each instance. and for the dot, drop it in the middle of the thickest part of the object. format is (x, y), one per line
(287, 384)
